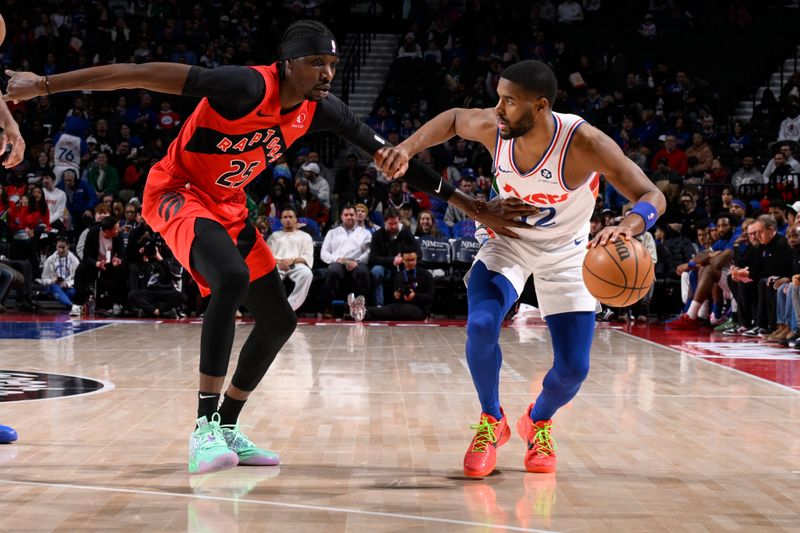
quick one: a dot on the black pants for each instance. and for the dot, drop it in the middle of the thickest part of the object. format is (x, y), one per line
(746, 296)
(767, 305)
(25, 290)
(396, 311)
(336, 273)
(148, 300)
(87, 274)
(221, 263)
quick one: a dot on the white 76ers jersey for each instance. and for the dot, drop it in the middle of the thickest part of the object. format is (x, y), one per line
(564, 211)
(68, 151)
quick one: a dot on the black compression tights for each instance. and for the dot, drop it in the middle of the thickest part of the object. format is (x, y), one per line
(215, 257)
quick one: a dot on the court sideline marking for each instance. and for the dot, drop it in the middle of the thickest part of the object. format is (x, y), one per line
(268, 503)
(715, 364)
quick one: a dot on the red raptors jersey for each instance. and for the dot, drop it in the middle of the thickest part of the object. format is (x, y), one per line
(217, 157)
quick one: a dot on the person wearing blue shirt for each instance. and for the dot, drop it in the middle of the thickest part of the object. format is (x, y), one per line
(712, 273)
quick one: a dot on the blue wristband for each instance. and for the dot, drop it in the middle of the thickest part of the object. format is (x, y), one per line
(691, 264)
(648, 212)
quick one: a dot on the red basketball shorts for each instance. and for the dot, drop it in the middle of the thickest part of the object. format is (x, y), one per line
(172, 209)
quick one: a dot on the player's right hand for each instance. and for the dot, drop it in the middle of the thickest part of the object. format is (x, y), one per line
(392, 161)
(23, 86)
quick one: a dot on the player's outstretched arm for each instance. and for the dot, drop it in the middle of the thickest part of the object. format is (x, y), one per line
(161, 77)
(472, 124)
(594, 151)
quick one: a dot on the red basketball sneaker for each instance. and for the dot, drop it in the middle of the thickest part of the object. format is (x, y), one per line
(541, 454)
(490, 434)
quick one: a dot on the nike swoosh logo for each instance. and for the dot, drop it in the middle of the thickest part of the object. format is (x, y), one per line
(260, 114)
(206, 397)
(578, 242)
(501, 169)
(439, 188)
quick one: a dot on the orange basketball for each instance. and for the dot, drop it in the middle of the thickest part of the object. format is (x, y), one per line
(2, 29)
(620, 273)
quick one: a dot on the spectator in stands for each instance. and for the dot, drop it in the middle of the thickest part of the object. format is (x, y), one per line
(362, 218)
(294, 252)
(676, 158)
(409, 50)
(167, 119)
(785, 315)
(407, 218)
(747, 256)
(778, 211)
(318, 185)
(308, 205)
(382, 121)
(702, 151)
(788, 154)
(102, 255)
(453, 215)
(103, 178)
(748, 174)
(346, 251)
(718, 173)
(738, 208)
(56, 202)
(426, 225)
(413, 292)
(385, 251)
(781, 170)
(776, 262)
(399, 195)
(790, 127)
(681, 133)
(686, 221)
(663, 174)
(58, 273)
(365, 195)
(739, 142)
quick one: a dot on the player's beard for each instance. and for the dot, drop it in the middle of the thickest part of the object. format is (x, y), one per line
(523, 126)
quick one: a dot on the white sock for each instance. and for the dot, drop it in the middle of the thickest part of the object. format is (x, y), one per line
(694, 307)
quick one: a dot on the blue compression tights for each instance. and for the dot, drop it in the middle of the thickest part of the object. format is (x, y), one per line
(490, 296)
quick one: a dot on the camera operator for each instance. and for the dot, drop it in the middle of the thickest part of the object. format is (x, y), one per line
(158, 292)
(413, 292)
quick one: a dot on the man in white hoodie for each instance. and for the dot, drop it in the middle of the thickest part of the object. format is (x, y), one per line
(58, 273)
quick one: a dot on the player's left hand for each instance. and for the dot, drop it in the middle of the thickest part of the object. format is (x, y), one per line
(610, 234)
(12, 136)
(392, 161)
(23, 86)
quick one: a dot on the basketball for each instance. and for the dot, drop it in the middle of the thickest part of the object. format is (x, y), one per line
(2, 30)
(618, 274)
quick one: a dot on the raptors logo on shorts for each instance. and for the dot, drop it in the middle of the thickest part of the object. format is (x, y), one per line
(169, 204)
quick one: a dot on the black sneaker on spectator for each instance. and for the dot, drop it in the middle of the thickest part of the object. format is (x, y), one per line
(754, 332)
(790, 341)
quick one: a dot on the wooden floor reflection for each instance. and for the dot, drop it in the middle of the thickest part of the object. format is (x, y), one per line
(371, 424)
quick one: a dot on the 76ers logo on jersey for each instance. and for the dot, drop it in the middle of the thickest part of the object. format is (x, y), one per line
(547, 174)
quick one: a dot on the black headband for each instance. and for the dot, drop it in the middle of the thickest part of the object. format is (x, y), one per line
(309, 46)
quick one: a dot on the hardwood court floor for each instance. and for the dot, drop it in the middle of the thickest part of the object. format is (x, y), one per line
(371, 424)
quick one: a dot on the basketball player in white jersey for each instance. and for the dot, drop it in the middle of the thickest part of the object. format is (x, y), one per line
(551, 161)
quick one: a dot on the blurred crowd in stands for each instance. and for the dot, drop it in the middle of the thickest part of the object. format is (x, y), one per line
(72, 234)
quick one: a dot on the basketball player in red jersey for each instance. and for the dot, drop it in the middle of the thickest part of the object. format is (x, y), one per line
(194, 197)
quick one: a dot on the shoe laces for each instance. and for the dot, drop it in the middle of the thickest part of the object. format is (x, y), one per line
(542, 440)
(211, 435)
(243, 441)
(485, 434)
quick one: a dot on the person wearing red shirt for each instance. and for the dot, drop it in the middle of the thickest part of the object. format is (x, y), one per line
(676, 158)
(194, 198)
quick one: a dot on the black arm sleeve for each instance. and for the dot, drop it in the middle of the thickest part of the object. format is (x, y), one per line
(334, 116)
(232, 91)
